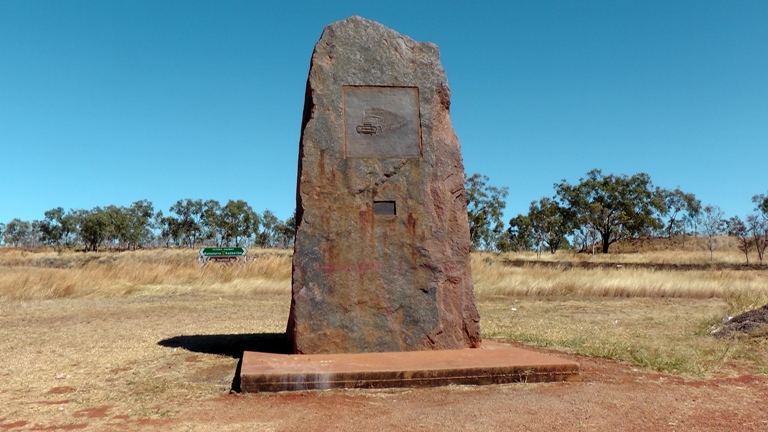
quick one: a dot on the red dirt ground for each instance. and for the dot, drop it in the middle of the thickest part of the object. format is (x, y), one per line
(611, 397)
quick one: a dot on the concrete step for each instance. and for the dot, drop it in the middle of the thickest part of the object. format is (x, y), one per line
(493, 363)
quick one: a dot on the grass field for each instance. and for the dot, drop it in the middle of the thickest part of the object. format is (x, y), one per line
(657, 319)
(742, 289)
(166, 362)
(47, 274)
(132, 340)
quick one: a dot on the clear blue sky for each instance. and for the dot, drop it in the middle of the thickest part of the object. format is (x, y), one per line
(110, 102)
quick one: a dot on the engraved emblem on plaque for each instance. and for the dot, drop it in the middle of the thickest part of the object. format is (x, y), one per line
(381, 122)
(378, 121)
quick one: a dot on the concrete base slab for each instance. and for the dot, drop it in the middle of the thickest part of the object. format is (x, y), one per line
(493, 363)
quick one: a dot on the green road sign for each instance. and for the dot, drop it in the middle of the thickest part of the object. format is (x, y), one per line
(213, 252)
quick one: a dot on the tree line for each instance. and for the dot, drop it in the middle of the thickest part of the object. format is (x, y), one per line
(189, 223)
(603, 209)
(590, 215)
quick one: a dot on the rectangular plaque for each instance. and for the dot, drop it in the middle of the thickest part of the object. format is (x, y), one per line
(384, 208)
(381, 122)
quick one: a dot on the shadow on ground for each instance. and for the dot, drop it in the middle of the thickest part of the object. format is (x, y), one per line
(231, 345)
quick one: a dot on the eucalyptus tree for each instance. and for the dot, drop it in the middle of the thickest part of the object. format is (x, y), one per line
(210, 221)
(286, 232)
(159, 225)
(615, 207)
(51, 230)
(678, 205)
(585, 237)
(550, 222)
(18, 232)
(758, 227)
(712, 225)
(485, 207)
(520, 234)
(171, 229)
(139, 223)
(239, 221)
(761, 204)
(119, 224)
(738, 229)
(69, 228)
(189, 214)
(94, 228)
(268, 235)
(35, 237)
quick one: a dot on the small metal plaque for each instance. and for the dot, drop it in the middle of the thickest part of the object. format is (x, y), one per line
(384, 208)
(381, 122)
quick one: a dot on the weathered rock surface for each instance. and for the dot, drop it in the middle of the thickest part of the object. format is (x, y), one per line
(381, 260)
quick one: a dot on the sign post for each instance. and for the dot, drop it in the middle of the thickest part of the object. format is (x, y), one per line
(222, 255)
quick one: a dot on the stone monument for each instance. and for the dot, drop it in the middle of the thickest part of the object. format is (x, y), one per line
(381, 260)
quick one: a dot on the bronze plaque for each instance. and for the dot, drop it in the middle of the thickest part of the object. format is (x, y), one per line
(384, 208)
(381, 122)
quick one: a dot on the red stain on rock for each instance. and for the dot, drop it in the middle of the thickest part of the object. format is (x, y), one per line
(18, 424)
(411, 227)
(74, 426)
(349, 268)
(97, 412)
(151, 422)
(62, 390)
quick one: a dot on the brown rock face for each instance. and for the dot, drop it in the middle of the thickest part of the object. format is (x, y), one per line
(381, 259)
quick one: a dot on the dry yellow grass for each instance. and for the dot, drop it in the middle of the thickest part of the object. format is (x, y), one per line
(493, 278)
(28, 275)
(41, 275)
(659, 252)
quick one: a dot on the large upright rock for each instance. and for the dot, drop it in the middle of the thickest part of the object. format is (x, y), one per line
(381, 261)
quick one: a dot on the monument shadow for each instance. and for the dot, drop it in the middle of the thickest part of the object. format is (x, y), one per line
(231, 345)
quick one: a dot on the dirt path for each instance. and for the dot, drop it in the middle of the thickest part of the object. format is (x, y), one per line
(167, 363)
